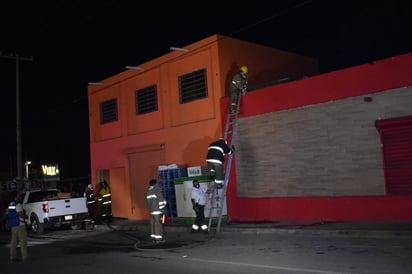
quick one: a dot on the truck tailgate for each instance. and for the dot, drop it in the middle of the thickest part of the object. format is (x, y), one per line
(67, 206)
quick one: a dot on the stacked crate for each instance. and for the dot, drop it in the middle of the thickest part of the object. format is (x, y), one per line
(165, 179)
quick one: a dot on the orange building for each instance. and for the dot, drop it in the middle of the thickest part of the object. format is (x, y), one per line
(167, 111)
(332, 147)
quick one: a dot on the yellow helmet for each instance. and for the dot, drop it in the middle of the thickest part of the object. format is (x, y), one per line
(244, 69)
(223, 139)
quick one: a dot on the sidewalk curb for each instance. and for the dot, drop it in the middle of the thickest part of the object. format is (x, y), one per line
(383, 234)
(354, 233)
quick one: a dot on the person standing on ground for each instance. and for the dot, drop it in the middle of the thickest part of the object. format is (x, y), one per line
(17, 224)
(199, 201)
(215, 159)
(91, 201)
(238, 86)
(156, 205)
(104, 197)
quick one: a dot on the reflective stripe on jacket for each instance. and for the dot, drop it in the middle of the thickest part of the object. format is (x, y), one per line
(14, 219)
(216, 152)
(155, 201)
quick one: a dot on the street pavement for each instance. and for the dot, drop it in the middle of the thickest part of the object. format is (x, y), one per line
(399, 229)
(266, 247)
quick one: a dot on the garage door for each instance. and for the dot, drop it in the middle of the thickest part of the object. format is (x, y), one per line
(396, 140)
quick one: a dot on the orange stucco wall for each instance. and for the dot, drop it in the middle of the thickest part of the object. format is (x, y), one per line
(132, 147)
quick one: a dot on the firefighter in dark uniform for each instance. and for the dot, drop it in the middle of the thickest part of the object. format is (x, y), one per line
(238, 86)
(104, 198)
(215, 160)
(91, 202)
(156, 205)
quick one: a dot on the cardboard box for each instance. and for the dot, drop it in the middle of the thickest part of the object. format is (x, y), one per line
(64, 195)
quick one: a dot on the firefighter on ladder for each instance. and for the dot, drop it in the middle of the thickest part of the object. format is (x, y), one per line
(215, 160)
(238, 86)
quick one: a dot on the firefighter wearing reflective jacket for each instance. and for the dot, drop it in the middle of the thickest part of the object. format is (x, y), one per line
(215, 160)
(156, 205)
(199, 198)
(105, 200)
(238, 86)
(91, 201)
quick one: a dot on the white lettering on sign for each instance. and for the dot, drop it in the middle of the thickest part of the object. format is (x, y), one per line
(50, 170)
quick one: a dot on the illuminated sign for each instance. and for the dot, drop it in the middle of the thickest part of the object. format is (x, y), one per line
(50, 172)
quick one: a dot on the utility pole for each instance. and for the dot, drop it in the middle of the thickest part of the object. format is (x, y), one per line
(17, 58)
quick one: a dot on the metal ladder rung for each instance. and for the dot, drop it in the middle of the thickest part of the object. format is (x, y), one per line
(229, 135)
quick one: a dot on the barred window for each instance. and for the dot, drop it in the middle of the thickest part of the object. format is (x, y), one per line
(193, 86)
(108, 111)
(146, 100)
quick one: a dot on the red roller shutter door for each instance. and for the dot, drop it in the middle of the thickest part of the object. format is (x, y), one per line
(396, 140)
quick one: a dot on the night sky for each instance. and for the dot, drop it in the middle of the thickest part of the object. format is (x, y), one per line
(76, 42)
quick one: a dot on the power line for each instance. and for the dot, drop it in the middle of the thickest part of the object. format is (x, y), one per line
(280, 13)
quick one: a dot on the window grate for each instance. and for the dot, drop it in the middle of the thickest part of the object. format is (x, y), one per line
(193, 86)
(108, 111)
(146, 100)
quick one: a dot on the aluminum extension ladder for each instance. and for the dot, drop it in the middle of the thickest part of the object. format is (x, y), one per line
(219, 194)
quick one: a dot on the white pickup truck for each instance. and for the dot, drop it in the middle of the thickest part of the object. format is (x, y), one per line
(52, 208)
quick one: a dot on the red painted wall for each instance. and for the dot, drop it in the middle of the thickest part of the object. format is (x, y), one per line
(365, 79)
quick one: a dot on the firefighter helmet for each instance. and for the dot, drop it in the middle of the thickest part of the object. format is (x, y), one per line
(244, 69)
(223, 139)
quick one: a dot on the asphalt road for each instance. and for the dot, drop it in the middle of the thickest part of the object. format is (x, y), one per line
(119, 251)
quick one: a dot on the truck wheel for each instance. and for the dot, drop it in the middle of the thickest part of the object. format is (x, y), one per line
(36, 226)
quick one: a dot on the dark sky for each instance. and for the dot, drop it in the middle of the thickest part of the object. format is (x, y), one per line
(76, 42)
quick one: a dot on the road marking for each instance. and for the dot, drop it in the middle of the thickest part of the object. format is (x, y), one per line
(305, 270)
(31, 242)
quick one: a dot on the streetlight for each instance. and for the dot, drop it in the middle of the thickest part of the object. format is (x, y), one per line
(26, 164)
